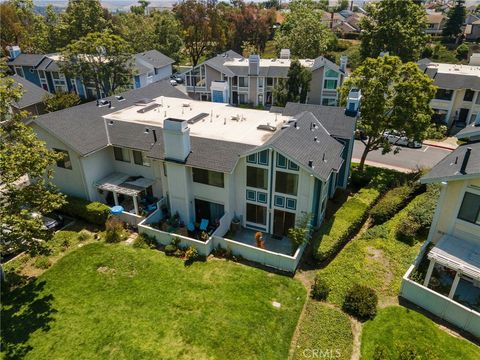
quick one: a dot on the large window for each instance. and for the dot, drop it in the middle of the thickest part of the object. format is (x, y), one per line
(139, 158)
(243, 81)
(121, 154)
(330, 84)
(196, 77)
(331, 73)
(468, 95)
(256, 214)
(64, 162)
(444, 94)
(257, 177)
(470, 209)
(286, 183)
(208, 177)
(329, 101)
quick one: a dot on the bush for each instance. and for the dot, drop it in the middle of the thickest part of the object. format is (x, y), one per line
(392, 202)
(436, 132)
(84, 235)
(144, 241)
(361, 301)
(170, 249)
(407, 230)
(191, 254)
(320, 289)
(42, 262)
(346, 222)
(92, 212)
(114, 231)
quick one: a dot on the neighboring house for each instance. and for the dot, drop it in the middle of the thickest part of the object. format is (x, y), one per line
(32, 98)
(472, 31)
(450, 287)
(44, 71)
(457, 101)
(435, 22)
(207, 161)
(230, 78)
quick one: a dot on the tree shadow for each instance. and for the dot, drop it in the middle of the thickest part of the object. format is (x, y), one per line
(25, 309)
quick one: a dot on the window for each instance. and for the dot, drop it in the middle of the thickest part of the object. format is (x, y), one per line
(262, 197)
(256, 214)
(330, 84)
(208, 177)
(329, 102)
(293, 166)
(19, 71)
(65, 161)
(279, 201)
(331, 73)
(242, 81)
(243, 98)
(260, 82)
(291, 204)
(251, 195)
(286, 183)
(257, 177)
(439, 116)
(470, 209)
(263, 157)
(444, 94)
(196, 77)
(121, 154)
(55, 75)
(468, 95)
(252, 158)
(281, 161)
(139, 158)
(269, 81)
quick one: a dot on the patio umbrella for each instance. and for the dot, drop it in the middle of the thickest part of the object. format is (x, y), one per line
(116, 210)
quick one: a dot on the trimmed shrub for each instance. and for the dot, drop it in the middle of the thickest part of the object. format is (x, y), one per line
(407, 230)
(361, 301)
(191, 254)
(93, 212)
(346, 222)
(170, 249)
(392, 202)
(84, 235)
(320, 289)
(42, 262)
(114, 231)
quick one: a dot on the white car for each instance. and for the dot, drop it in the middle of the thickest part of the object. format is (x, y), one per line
(173, 82)
(401, 140)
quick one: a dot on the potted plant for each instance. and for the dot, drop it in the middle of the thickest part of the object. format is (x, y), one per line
(259, 240)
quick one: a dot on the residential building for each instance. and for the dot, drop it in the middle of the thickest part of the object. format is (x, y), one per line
(44, 71)
(457, 101)
(472, 27)
(230, 78)
(32, 98)
(210, 162)
(435, 22)
(450, 260)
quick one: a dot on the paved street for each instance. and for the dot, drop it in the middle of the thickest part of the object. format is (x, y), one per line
(406, 159)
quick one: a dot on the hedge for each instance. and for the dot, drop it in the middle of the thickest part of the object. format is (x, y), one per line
(346, 222)
(92, 212)
(394, 201)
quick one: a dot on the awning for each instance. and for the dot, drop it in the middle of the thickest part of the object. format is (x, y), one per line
(457, 254)
(124, 184)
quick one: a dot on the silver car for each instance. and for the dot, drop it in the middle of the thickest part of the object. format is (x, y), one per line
(399, 139)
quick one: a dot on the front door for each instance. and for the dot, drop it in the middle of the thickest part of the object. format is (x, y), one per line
(282, 221)
(462, 116)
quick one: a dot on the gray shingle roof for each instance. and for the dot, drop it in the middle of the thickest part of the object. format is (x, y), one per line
(82, 127)
(299, 144)
(449, 167)
(32, 94)
(155, 58)
(218, 61)
(469, 132)
(333, 118)
(27, 60)
(456, 81)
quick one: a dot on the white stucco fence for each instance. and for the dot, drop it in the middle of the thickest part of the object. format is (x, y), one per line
(440, 305)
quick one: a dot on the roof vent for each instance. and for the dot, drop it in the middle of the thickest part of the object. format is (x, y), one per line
(295, 125)
(315, 139)
(323, 158)
(310, 164)
(267, 127)
(143, 101)
(110, 122)
(465, 160)
(120, 98)
(102, 102)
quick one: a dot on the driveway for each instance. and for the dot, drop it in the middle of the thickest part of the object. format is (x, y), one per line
(407, 159)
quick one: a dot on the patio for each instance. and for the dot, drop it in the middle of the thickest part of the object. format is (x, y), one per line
(272, 243)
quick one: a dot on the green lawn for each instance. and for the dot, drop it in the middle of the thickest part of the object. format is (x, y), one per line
(114, 301)
(397, 329)
(376, 259)
(325, 333)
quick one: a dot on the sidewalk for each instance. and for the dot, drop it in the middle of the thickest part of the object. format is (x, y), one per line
(449, 143)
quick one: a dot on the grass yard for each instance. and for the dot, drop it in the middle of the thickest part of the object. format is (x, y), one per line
(114, 301)
(325, 333)
(376, 259)
(396, 329)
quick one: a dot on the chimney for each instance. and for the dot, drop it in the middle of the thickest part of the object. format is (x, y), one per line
(285, 54)
(13, 51)
(343, 63)
(353, 102)
(465, 160)
(253, 65)
(176, 139)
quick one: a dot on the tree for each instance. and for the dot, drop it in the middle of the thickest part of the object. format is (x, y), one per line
(395, 96)
(102, 59)
(23, 156)
(303, 31)
(456, 18)
(301, 233)
(140, 8)
(394, 26)
(136, 30)
(167, 32)
(295, 88)
(60, 100)
(201, 27)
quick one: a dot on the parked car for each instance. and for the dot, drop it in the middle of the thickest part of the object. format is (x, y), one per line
(173, 82)
(401, 140)
(50, 222)
(177, 78)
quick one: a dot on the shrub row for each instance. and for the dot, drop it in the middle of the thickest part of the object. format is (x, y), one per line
(92, 212)
(346, 222)
(393, 201)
